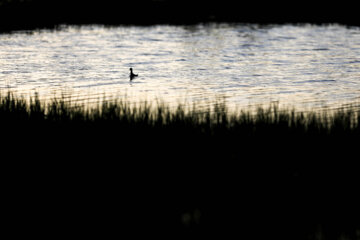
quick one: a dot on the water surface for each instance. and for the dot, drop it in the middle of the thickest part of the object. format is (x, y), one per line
(305, 66)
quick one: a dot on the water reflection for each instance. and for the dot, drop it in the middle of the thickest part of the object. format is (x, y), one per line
(302, 66)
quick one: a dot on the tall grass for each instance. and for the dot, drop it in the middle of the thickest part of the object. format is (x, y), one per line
(265, 121)
(269, 141)
(239, 168)
(213, 133)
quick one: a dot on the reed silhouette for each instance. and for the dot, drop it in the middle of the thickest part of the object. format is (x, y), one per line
(150, 170)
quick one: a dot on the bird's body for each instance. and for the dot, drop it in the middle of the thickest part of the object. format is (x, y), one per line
(132, 75)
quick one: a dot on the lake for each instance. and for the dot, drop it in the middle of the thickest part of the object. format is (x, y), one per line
(302, 66)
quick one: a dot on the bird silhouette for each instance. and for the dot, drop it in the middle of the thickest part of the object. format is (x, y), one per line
(132, 75)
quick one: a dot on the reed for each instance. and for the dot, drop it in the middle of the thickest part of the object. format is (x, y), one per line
(265, 121)
(216, 127)
(271, 162)
(193, 133)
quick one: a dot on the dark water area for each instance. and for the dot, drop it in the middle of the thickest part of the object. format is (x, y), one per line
(30, 14)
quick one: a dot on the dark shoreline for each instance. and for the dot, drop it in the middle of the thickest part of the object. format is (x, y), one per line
(155, 172)
(33, 14)
(118, 170)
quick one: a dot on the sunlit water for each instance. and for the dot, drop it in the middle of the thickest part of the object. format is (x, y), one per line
(303, 66)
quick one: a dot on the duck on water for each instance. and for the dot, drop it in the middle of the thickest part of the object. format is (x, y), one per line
(132, 75)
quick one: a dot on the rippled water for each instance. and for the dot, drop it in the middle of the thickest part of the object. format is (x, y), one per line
(305, 66)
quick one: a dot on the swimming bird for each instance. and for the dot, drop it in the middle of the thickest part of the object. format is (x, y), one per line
(132, 75)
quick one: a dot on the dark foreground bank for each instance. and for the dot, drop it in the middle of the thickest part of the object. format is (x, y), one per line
(151, 171)
(31, 14)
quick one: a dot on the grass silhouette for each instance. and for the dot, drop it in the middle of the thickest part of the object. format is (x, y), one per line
(182, 172)
(215, 131)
